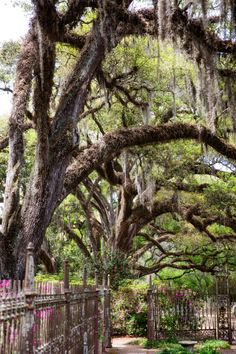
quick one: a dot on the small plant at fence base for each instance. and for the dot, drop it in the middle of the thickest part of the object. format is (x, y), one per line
(171, 346)
(213, 344)
(162, 344)
(208, 350)
(181, 350)
(176, 350)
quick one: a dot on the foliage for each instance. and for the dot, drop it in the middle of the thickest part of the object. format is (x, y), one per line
(179, 279)
(74, 278)
(208, 350)
(9, 52)
(138, 341)
(213, 344)
(136, 324)
(222, 194)
(178, 350)
(129, 314)
(163, 344)
(143, 80)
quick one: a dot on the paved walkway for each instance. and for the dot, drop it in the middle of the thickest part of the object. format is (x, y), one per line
(121, 346)
(229, 351)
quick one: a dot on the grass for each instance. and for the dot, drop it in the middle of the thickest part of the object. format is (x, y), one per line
(138, 341)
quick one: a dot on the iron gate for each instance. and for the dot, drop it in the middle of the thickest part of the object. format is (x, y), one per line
(186, 314)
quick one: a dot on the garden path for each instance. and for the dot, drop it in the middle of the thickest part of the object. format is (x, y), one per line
(229, 351)
(121, 346)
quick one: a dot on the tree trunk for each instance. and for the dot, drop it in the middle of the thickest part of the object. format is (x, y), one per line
(42, 197)
(55, 143)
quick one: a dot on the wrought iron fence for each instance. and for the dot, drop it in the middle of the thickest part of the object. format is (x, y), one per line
(180, 313)
(185, 314)
(53, 317)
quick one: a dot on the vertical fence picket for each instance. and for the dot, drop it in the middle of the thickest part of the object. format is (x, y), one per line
(150, 323)
(67, 306)
(29, 292)
(108, 314)
(85, 313)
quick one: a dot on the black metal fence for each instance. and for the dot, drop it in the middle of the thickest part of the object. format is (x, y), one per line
(53, 317)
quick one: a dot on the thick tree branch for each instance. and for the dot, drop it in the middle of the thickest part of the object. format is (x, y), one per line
(75, 11)
(47, 261)
(145, 22)
(113, 143)
(73, 236)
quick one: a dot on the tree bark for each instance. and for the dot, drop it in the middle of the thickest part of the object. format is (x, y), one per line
(55, 142)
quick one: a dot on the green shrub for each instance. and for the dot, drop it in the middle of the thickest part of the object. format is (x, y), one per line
(162, 344)
(178, 350)
(207, 350)
(138, 341)
(213, 344)
(129, 310)
(137, 324)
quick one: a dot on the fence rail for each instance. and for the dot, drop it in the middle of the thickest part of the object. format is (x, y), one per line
(53, 317)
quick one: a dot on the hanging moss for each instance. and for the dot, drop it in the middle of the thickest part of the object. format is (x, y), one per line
(231, 94)
(161, 8)
(204, 6)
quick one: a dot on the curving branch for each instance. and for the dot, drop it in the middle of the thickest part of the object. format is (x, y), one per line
(75, 11)
(47, 260)
(146, 22)
(112, 144)
(73, 236)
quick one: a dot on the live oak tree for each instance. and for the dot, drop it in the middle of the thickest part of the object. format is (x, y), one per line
(173, 221)
(59, 164)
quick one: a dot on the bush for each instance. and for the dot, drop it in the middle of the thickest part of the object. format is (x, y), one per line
(212, 344)
(163, 344)
(129, 309)
(177, 350)
(137, 324)
(207, 350)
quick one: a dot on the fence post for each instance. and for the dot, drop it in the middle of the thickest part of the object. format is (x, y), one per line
(96, 318)
(85, 313)
(223, 328)
(29, 291)
(107, 312)
(150, 322)
(67, 306)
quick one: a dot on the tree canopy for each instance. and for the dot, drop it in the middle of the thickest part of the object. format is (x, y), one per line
(124, 114)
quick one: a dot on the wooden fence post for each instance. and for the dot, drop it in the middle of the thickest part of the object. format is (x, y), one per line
(150, 322)
(107, 312)
(96, 319)
(67, 306)
(85, 313)
(29, 291)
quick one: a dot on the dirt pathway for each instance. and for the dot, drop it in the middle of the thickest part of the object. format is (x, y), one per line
(121, 346)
